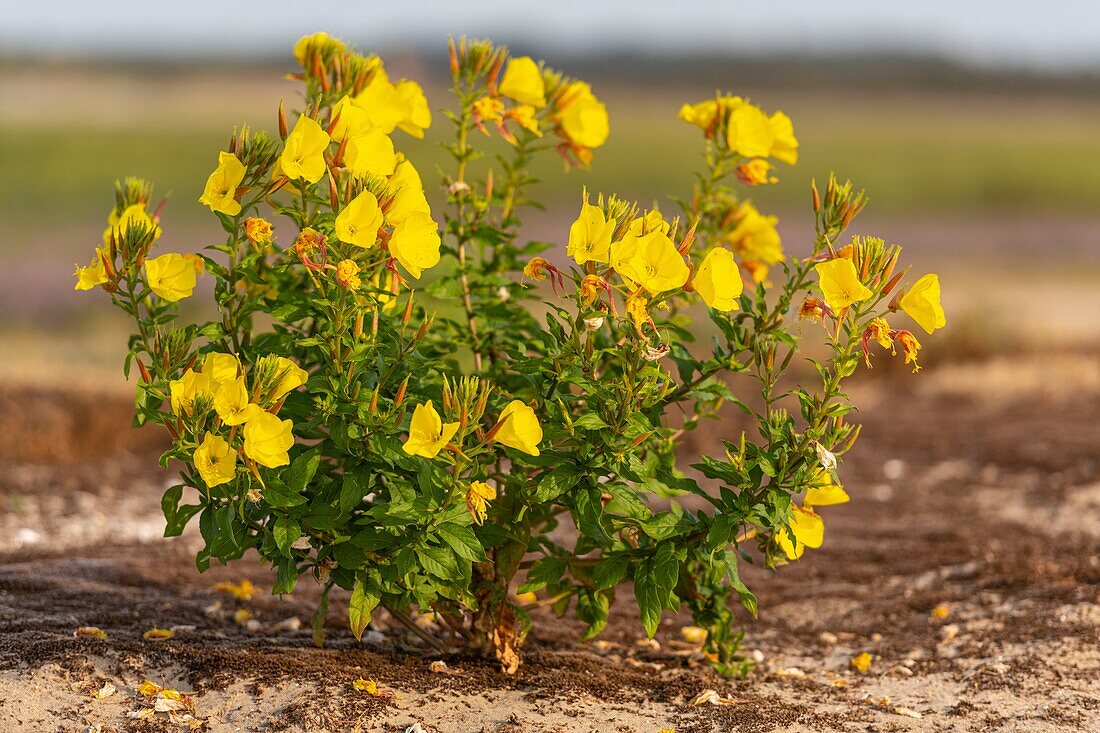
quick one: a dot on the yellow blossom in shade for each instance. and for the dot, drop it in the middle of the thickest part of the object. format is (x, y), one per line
(370, 153)
(220, 369)
(840, 283)
(651, 260)
(215, 460)
(583, 118)
(428, 434)
(784, 143)
(316, 41)
(909, 348)
(824, 492)
(221, 187)
(489, 109)
(478, 496)
(94, 274)
(418, 116)
(133, 215)
(862, 662)
(524, 116)
(288, 377)
(359, 221)
(258, 231)
(267, 440)
(189, 387)
(922, 303)
(383, 104)
(749, 132)
(756, 240)
(702, 115)
(522, 81)
(232, 404)
(718, 280)
(350, 119)
(171, 276)
(591, 286)
(756, 172)
(347, 274)
(407, 194)
(590, 236)
(304, 151)
(519, 428)
(653, 221)
(415, 243)
(808, 531)
(636, 309)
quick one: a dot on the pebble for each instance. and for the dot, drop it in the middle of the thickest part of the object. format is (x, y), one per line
(828, 637)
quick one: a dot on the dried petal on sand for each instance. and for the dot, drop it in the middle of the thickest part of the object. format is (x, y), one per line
(157, 634)
(711, 697)
(862, 662)
(93, 632)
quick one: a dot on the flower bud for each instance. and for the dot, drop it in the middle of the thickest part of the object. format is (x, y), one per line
(283, 130)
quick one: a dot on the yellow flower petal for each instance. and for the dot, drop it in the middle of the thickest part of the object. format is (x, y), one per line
(428, 434)
(922, 303)
(840, 283)
(520, 428)
(718, 280)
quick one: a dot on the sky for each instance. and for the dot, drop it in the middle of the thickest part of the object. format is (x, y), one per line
(1051, 35)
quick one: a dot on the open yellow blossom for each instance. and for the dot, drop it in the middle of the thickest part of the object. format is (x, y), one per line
(718, 280)
(94, 274)
(370, 153)
(220, 369)
(304, 151)
(133, 215)
(258, 231)
(350, 119)
(267, 440)
(702, 115)
(407, 193)
(749, 132)
(347, 274)
(183, 392)
(288, 377)
(756, 240)
(519, 428)
(922, 303)
(418, 115)
(909, 348)
(590, 236)
(824, 492)
(489, 109)
(428, 434)
(756, 172)
(653, 221)
(415, 243)
(221, 187)
(171, 276)
(808, 531)
(583, 118)
(784, 143)
(385, 106)
(478, 496)
(651, 260)
(839, 283)
(215, 460)
(359, 221)
(232, 404)
(522, 81)
(636, 308)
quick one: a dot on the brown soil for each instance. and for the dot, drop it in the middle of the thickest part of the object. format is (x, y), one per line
(986, 501)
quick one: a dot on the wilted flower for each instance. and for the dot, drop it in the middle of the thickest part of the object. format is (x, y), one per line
(259, 231)
(478, 496)
(347, 274)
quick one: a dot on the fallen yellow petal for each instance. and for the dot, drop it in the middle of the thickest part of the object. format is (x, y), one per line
(157, 634)
(371, 688)
(943, 610)
(693, 634)
(91, 631)
(148, 689)
(242, 591)
(862, 662)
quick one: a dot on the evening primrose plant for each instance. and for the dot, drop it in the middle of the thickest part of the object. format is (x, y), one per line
(384, 404)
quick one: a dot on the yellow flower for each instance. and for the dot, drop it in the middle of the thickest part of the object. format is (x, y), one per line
(221, 187)
(756, 239)
(220, 369)
(407, 193)
(784, 143)
(418, 116)
(840, 283)
(524, 116)
(909, 348)
(428, 434)
(651, 260)
(522, 81)
(824, 492)
(171, 276)
(922, 303)
(184, 391)
(591, 286)
(488, 109)
(94, 274)
(702, 115)
(756, 172)
(267, 440)
(653, 221)
(258, 231)
(808, 531)
(232, 403)
(750, 132)
(347, 274)
(415, 243)
(351, 119)
(478, 496)
(383, 104)
(359, 221)
(320, 42)
(288, 377)
(215, 460)
(718, 281)
(590, 236)
(133, 216)
(636, 309)
(370, 153)
(519, 428)
(583, 118)
(304, 151)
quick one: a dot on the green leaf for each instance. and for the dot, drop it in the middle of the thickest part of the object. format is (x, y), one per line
(462, 540)
(555, 483)
(543, 572)
(365, 597)
(610, 571)
(439, 561)
(356, 485)
(279, 496)
(301, 472)
(592, 608)
(286, 532)
(649, 601)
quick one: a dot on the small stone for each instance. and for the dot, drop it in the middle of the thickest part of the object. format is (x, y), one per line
(828, 637)
(948, 633)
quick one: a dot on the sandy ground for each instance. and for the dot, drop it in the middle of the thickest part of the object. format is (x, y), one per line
(976, 486)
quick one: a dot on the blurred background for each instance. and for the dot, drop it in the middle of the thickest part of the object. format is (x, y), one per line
(975, 128)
